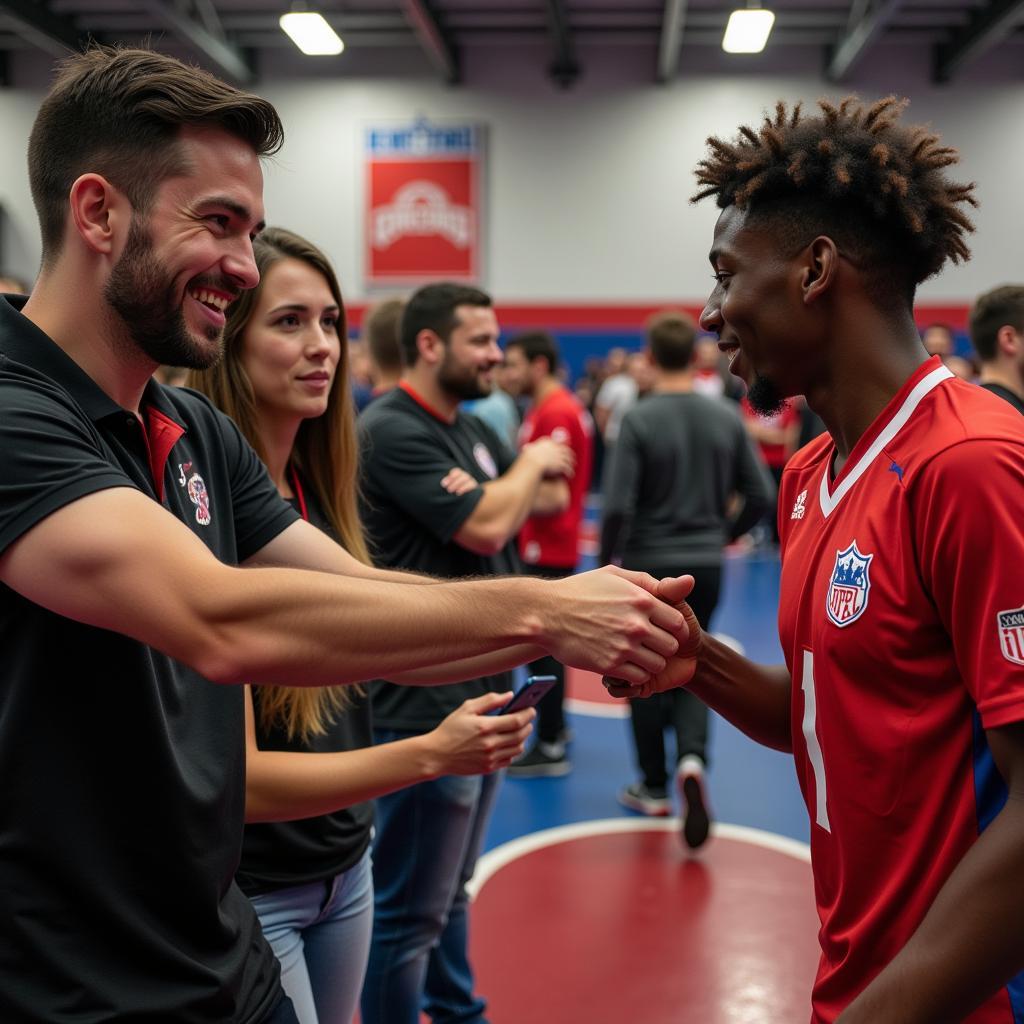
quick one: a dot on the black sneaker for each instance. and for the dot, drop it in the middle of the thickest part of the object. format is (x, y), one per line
(652, 801)
(695, 814)
(543, 760)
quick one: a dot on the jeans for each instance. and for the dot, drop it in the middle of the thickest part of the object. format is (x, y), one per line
(320, 932)
(426, 847)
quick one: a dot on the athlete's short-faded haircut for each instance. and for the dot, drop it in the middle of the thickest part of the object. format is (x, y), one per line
(855, 173)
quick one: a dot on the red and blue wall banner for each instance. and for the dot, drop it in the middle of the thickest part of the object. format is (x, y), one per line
(423, 202)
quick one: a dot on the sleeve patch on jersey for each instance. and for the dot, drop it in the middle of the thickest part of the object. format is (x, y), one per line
(1011, 634)
(800, 507)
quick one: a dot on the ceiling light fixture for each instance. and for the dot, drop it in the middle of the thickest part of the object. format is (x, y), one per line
(748, 30)
(311, 33)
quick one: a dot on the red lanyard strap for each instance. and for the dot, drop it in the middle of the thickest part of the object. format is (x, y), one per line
(300, 497)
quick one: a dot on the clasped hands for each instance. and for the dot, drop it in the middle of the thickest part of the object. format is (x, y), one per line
(680, 667)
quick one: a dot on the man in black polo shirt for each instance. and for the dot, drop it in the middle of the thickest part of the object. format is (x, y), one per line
(997, 333)
(125, 512)
(412, 437)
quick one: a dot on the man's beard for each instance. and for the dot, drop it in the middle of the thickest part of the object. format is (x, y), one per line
(458, 381)
(147, 304)
(764, 397)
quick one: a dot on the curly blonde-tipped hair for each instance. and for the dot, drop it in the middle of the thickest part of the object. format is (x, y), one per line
(853, 170)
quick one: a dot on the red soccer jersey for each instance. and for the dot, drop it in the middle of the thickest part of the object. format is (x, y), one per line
(902, 621)
(554, 540)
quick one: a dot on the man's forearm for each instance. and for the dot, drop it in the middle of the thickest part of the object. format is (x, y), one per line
(755, 698)
(969, 944)
(299, 628)
(552, 498)
(506, 503)
(471, 668)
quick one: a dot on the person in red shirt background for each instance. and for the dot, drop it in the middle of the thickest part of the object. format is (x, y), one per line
(548, 545)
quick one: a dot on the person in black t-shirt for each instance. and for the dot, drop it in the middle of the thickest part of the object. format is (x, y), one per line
(411, 437)
(305, 856)
(147, 564)
(997, 333)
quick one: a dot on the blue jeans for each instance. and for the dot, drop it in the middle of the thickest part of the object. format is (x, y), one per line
(428, 839)
(320, 932)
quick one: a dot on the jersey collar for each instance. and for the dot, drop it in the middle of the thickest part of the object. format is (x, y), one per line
(405, 386)
(23, 342)
(928, 376)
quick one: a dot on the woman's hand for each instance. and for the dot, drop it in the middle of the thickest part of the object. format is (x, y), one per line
(470, 741)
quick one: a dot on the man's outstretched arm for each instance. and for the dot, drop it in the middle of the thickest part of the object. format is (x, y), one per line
(117, 560)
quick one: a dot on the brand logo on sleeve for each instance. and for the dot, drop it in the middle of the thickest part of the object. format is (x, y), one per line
(1011, 634)
(195, 488)
(848, 589)
(484, 459)
(800, 506)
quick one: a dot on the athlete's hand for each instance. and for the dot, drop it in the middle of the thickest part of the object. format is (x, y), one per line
(470, 741)
(680, 667)
(613, 622)
(553, 457)
(458, 481)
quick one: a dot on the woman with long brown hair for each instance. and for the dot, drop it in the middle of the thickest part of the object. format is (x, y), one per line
(311, 768)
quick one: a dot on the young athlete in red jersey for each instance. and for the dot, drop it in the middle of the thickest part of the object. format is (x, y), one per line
(902, 602)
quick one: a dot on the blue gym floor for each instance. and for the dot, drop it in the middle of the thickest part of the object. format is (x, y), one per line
(747, 784)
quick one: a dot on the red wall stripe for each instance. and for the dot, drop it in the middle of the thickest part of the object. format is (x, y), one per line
(632, 317)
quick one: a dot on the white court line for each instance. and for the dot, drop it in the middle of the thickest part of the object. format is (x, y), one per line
(501, 856)
(594, 709)
(597, 709)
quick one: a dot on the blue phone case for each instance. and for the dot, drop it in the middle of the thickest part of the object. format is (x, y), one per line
(530, 694)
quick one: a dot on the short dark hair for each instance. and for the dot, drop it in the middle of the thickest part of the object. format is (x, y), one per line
(856, 174)
(382, 323)
(118, 112)
(432, 308)
(537, 345)
(670, 338)
(1000, 307)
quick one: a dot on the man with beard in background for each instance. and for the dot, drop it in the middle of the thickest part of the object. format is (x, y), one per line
(422, 514)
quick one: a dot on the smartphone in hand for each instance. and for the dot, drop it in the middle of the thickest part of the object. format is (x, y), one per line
(530, 694)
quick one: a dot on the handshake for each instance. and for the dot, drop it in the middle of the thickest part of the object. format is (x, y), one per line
(636, 631)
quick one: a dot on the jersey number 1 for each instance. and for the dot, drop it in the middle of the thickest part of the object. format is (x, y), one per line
(811, 739)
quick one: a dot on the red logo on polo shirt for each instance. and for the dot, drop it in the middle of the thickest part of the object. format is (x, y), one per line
(195, 487)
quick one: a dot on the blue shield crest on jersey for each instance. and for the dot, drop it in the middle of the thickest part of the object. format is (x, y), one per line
(848, 589)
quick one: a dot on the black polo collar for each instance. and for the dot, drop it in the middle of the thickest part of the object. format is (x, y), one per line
(23, 342)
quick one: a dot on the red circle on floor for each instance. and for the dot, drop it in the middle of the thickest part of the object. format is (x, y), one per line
(585, 694)
(625, 928)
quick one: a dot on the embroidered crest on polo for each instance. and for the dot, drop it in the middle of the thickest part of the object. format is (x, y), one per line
(195, 488)
(848, 589)
(799, 506)
(1011, 634)
(485, 460)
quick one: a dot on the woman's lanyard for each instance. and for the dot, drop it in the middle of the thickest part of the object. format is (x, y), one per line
(300, 497)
